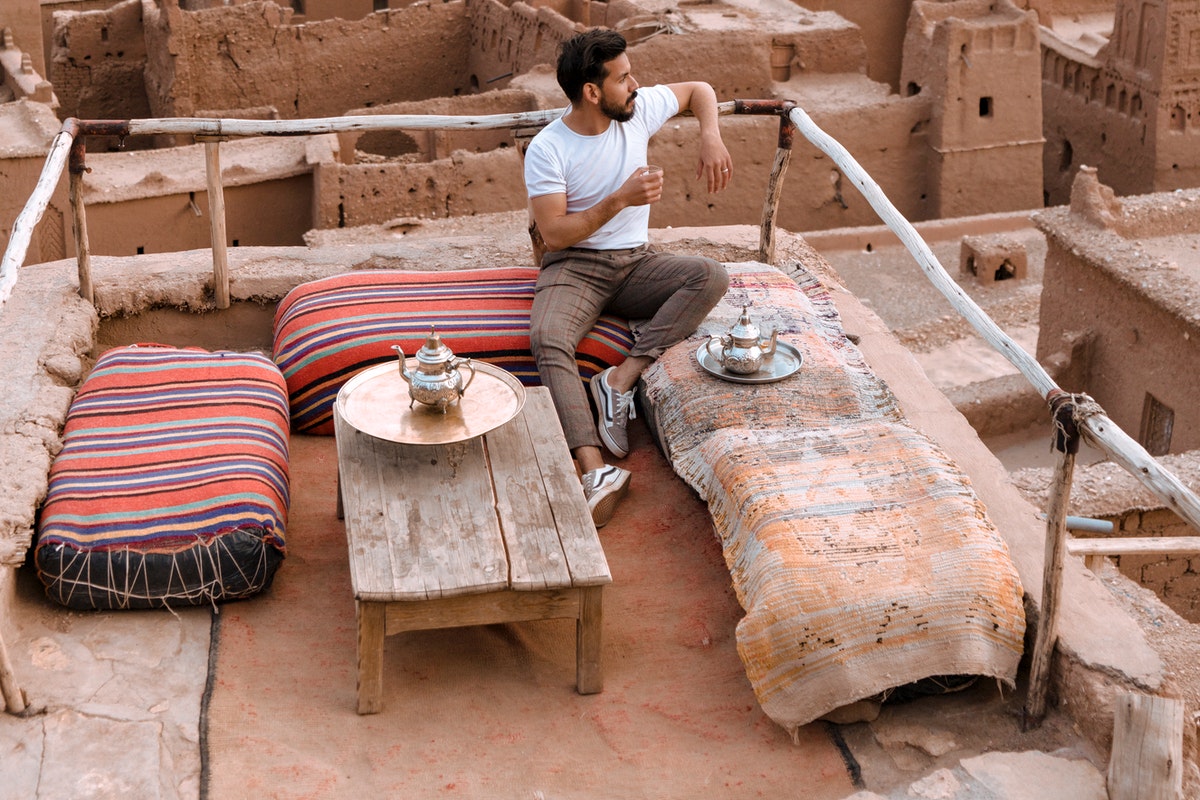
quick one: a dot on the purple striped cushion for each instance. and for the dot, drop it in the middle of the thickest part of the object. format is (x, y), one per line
(172, 484)
(329, 329)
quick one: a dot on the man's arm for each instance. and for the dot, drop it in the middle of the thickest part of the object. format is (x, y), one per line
(560, 229)
(715, 165)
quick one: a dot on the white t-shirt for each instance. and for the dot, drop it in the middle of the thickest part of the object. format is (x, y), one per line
(589, 168)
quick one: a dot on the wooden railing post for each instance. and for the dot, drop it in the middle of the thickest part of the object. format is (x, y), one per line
(216, 213)
(783, 157)
(83, 254)
(1066, 444)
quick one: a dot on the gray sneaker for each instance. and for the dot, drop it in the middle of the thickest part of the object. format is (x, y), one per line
(604, 488)
(613, 411)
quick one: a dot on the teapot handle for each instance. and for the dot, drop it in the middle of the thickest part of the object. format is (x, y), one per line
(708, 348)
(470, 366)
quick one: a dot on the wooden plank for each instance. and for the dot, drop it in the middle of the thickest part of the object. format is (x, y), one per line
(576, 531)
(535, 556)
(1147, 752)
(406, 510)
(1116, 546)
(482, 609)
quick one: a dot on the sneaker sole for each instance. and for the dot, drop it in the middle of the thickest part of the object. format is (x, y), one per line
(603, 510)
(601, 428)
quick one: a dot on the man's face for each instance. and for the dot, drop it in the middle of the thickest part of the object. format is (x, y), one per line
(619, 90)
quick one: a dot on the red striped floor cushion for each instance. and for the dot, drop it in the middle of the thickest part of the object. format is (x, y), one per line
(172, 484)
(329, 329)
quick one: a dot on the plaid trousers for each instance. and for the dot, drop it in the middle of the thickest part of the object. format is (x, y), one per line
(575, 286)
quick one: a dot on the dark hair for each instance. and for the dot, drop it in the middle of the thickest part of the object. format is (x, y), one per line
(581, 59)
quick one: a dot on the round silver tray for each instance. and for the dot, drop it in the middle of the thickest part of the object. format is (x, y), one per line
(782, 364)
(376, 402)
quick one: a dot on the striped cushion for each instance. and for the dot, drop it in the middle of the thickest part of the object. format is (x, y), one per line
(329, 329)
(172, 484)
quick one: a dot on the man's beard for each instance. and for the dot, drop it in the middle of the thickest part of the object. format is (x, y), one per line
(618, 113)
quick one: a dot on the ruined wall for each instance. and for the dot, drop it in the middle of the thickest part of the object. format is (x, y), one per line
(1145, 355)
(270, 213)
(507, 42)
(250, 56)
(98, 59)
(883, 25)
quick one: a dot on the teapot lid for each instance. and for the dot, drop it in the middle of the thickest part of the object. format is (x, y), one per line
(433, 351)
(744, 329)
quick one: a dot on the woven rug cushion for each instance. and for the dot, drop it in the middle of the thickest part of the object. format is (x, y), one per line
(329, 329)
(864, 562)
(834, 385)
(171, 487)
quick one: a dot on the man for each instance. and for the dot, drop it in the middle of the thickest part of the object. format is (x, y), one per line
(590, 193)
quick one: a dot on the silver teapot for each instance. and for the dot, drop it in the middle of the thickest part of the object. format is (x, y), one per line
(436, 381)
(742, 350)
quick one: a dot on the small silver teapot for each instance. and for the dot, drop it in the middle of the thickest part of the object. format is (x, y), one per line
(742, 350)
(436, 381)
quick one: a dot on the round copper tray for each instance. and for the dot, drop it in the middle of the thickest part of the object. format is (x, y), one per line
(376, 402)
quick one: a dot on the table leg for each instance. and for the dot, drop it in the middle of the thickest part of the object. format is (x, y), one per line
(371, 628)
(589, 677)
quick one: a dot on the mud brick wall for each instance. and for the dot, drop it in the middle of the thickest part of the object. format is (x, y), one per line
(249, 53)
(1174, 578)
(97, 63)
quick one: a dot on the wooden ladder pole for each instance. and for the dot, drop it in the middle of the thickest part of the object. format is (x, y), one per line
(83, 254)
(1066, 443)
(216, 213)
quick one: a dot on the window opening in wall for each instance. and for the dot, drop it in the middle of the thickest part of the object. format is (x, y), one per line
(104, 34)
(913, 88)
(141, 251)
(379, 5)
(236, 243)
(985, 106)
(1068, 156)
(1157, 421)
(1005, 271)
(1178, 119)
(298, 6)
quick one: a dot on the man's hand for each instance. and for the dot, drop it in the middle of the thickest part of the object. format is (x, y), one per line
(560, 229)
(715, 165)
(643, 187)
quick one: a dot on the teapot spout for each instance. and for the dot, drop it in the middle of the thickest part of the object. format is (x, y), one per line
(404, 373)
(769, 350)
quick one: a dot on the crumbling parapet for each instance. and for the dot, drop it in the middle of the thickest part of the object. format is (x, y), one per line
(1093, 201)
(20, 79)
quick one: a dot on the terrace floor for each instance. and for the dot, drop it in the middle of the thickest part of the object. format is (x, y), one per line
(256, 698)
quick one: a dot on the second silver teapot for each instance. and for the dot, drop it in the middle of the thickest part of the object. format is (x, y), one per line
(436, 381)
(742, 350)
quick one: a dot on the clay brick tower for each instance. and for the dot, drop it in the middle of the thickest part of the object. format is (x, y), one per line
(1154, 57)
(980, 63)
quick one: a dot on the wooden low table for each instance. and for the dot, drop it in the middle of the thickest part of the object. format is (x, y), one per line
(492, 529)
